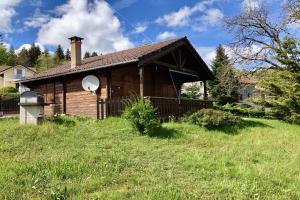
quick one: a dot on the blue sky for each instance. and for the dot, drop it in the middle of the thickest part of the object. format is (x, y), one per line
(119, 24)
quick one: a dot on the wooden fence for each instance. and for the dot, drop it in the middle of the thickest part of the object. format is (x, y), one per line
(9, 106)
(174, 108)
(166, 107)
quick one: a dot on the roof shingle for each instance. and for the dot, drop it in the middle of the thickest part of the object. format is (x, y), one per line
(102, 61)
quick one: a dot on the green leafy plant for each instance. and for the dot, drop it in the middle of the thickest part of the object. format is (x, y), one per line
(250, 112)
(9, 93)
(210, 118)
(6, 90)
(141, 114)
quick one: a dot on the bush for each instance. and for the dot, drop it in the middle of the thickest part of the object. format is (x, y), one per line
(9, 93)
(210, 118)
(249, 112)
(295, 118)
(8, 90)
(142, 116)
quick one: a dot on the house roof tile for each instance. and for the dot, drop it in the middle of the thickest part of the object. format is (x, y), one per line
(107, 60)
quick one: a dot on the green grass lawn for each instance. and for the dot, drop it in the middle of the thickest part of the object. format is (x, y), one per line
(87, 159)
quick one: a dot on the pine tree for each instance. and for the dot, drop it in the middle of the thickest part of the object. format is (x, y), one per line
(68, 55)
(23, 58)
(60, 53)
(224, 87)
(34, 52)
(94, 54)
(46, 52)
(87, 55)
(13, 57)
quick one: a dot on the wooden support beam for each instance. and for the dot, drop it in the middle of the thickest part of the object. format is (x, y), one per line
(141, 73)
(183, 63)
(159, 54)
(64, 97)
(205, 90)
(109, 84)
(98, 101)
(180, 56)
(165, 64)
(174, 67)
(175, 59)
(153, 76)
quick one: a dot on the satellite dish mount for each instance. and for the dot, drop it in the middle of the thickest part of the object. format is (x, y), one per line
(90, 83)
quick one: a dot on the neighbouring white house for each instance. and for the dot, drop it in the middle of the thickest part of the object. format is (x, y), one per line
(10, 75)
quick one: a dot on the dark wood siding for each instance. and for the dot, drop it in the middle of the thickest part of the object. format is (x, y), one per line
(78, 101)
(125, 81)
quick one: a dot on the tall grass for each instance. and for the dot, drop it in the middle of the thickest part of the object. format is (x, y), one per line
(79, 158)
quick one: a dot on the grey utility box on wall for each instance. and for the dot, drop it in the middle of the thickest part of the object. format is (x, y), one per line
(31, 108)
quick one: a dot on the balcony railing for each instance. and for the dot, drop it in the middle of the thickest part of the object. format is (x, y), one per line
(166, 107)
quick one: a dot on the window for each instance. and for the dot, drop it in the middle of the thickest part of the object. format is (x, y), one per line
(19, 73)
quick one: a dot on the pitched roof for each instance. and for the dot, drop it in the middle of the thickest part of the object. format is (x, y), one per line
(107, 60)
(4, 68)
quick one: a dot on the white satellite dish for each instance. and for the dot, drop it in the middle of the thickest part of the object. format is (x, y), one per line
(90, 83)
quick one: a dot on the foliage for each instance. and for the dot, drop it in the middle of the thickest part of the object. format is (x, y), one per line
(293, 8)
(94, 54)
(6, 90)
(46, 62)
(191, 91)
(257, 27)
(23, 58)
(68, 54)
(97, 159)
(5, 57)
(249, 112)
(33, 54)
(60, 53)
(283, 89)
(9, 93)
(224, 87)
(279, 49)
(142, 116)
(87, 55)
(210, 118)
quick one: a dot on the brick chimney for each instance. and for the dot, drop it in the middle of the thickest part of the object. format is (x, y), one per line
(75, 51)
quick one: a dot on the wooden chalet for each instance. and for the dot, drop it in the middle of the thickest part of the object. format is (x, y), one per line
(154, 71)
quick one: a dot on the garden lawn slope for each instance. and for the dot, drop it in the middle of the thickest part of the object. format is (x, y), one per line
(88, 159)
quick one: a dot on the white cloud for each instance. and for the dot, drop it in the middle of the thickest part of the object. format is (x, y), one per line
(212, 16)
(207, 53)
(166, 35)
(7, 11)
(140, 28)
(6, 45)
(94, 21)
(37, 20)
(27, 46)
(182, 16)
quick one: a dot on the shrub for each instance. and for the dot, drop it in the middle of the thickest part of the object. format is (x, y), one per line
(8, 90)
(142, 116)
(9, 93)
(249, 112)
(295, 118)
(210, 118)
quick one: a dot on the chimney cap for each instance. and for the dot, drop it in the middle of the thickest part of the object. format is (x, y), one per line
(75, 38)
